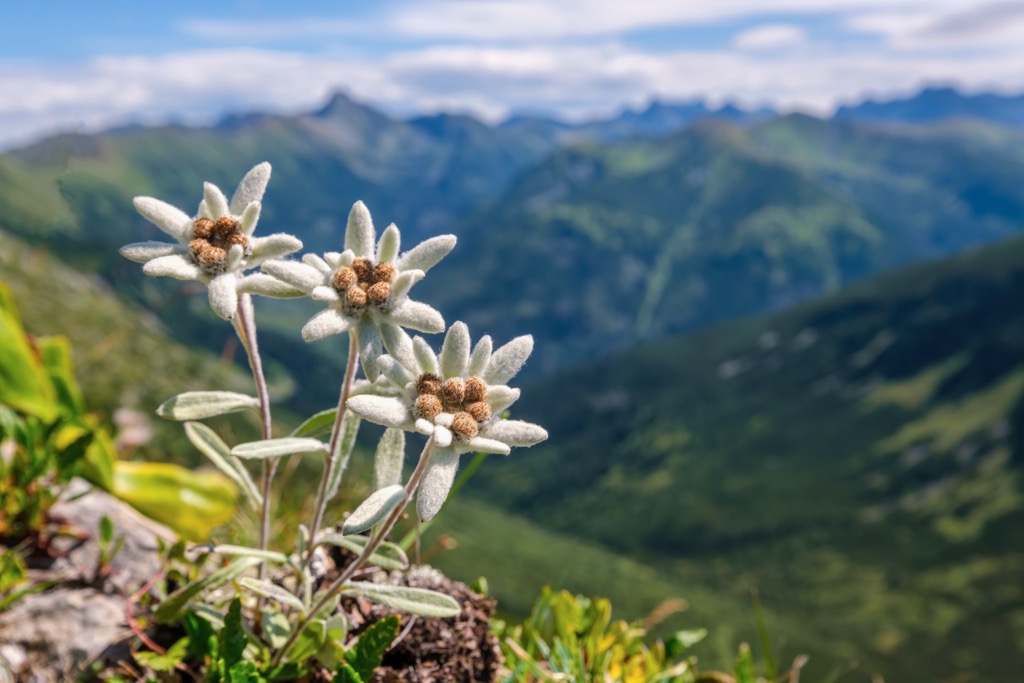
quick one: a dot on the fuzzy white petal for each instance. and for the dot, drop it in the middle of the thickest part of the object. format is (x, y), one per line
(267, 285)
(317, 262)
(272, 247)
(404, 281)
(252, 187)
(204, 211)
(424, 426)
(426, 254)
(442, 436)
(444, 419)
(223, 291)
(177, 266)
(215, 200)
(437, 482)
(482, 444)
(418, 316)
(234, 258)
(323, 293)
(382, 410)
(370, 347)
(390, 242)
(508, 360)
(500, 398)
(324, 324)
(250, 217)
(515, 432)
(480, 357)
(425, 356)
(171, 220)
(141, 252)
(397, 342)
(396, 372)
(454, 357)
(294, 273)
(359, 233)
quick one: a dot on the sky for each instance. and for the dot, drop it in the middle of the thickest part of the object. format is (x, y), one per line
(69, 65)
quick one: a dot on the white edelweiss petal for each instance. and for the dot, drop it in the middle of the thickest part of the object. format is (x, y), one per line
(480, 357)
(324, 324)
(216, 202)
(317, 262)
(234, 258)
(437, 482)
(382, 410)
(177, 266)
(397, 342)
(515, 432)
(424, 426)
(223, 291)
(170, 219)
(396, 372)
(340, 259)
(252, 187)
(508, 360)
(203, 211)
(272, 247)
(454, 356)
(425, 356)
(359, 233)
(249, 218)
(141, 252)
(267, 285)
(500, 398)
(482, 444)
(442, 436)
(418, 316)
(370, 347)
(294, 273)
(390, 241)
(426, 254)
(404, 281)
(323, 293)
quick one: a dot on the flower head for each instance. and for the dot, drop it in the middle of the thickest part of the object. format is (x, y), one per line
(366, 287)
(456, 397)
(217, 245)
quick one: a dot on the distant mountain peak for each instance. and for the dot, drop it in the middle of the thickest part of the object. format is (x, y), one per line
(342, 104)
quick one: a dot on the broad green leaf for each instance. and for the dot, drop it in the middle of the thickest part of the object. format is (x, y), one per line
(317, 425)
(349, 430)
(425, 603)
(387, 555)
(374, 509)
(389, 458)
(367, 654)
(232, 636)
(24, 384)
(245, 672)
(309, 642)
(346, 674)
(213, 447)
(191, 503)
(170, 608)
(226, 549)
(276, 448)
(275, 628)
(198, 405)
(97, 467)
(55, 353)
(162, 663)
(272, 591)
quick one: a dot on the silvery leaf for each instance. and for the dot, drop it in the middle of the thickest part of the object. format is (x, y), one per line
(420, 601)
(437, 482)
(276, 448)
(375, 508)
(198, 405)
(389, 458)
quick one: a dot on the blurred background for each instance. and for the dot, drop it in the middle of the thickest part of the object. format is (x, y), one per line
(769, 252)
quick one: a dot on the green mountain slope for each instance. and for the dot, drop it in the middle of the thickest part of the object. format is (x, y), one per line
(604, 245)
(859, 459)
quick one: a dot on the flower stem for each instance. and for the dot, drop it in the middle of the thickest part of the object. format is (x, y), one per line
(332, 447)
(332, 591)
(245, 327)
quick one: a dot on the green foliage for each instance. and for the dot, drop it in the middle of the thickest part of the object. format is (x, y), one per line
(365, 656)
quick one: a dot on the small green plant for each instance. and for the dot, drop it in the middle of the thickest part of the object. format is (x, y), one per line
(273, 614)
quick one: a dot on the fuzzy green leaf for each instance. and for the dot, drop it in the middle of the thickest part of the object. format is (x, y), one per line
(273, 591)
(171, 607)
(387, 555)
(374, 509)
(198, 405)
(276, 448)
(420, 601)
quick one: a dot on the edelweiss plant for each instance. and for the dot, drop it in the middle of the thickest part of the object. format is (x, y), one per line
(287, 612)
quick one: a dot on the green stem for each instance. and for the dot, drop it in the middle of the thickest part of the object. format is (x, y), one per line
(332, 591)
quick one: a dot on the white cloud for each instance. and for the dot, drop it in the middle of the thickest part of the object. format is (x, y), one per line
(579, 80)
(987, 26)
(769, 37)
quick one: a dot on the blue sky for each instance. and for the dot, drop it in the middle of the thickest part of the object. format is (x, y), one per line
(62, 67)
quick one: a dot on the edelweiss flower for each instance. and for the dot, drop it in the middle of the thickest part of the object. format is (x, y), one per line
(367, 287)
(458, 398)
(217, 245)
